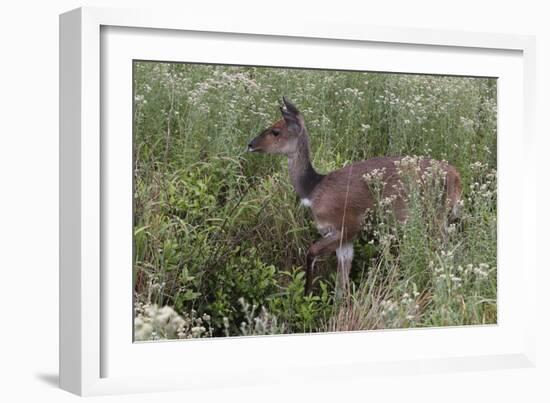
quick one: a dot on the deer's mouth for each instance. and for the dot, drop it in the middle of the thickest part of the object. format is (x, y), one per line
(252, 149)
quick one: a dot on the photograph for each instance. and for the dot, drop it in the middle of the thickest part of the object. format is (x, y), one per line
(287, 200)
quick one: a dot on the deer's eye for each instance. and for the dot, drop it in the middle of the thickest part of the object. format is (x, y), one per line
(275, 132)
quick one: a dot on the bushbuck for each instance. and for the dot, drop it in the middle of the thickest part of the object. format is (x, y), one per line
(340, 199)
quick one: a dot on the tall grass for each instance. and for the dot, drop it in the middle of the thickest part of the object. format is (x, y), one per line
(219, 234)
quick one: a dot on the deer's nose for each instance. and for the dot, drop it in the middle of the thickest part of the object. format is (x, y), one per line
(251, 147)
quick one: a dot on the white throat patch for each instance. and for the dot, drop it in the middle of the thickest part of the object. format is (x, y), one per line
(306, 202)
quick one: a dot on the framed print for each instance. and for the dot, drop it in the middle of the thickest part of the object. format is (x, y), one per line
(252, 196)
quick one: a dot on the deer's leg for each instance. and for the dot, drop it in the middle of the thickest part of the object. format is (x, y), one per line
(324, 246)
(344, 253)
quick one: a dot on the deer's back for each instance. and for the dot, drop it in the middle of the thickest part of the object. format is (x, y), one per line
(343, 196)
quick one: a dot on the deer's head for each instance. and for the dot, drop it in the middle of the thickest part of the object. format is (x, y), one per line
(281, 137)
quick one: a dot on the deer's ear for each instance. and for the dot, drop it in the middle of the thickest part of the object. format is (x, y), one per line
(293, 122)
(292, 116)
(290, 106)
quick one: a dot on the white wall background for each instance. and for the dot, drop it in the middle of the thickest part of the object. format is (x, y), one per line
(29, 188)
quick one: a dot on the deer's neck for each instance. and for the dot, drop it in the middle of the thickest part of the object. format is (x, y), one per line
(302, 174)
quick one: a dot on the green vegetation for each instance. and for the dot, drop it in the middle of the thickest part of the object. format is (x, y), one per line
(220, 237)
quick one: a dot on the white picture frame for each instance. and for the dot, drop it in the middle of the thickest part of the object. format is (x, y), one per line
(96, 355)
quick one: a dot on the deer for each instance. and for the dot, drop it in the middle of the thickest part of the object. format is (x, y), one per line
(339, 200)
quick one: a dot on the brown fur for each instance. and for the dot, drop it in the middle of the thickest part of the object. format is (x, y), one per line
(342, 197)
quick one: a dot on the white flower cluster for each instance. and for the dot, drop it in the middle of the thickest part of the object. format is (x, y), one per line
(484, 182)
(159, 323)
(451, 276)
(396, 311)
(375, 175)
(262, 324)
(375, 180)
